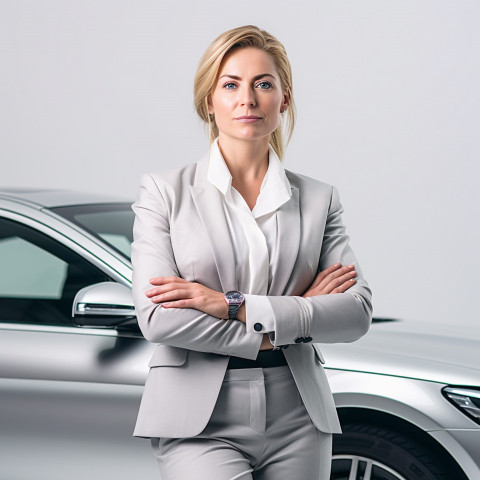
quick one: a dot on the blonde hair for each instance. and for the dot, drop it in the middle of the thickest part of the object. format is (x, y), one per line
(209, 68)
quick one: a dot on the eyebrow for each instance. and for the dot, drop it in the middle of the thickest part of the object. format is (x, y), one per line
(236, 77)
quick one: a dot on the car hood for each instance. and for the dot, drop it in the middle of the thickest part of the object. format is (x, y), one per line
(422, 351)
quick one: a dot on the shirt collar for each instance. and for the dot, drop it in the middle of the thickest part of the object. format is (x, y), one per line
(275, 189)
(218, 172)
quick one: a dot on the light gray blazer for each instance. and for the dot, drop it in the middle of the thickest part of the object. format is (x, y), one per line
(180, 229)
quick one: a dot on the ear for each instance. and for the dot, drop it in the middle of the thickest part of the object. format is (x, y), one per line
(210, 105)
(286, 99)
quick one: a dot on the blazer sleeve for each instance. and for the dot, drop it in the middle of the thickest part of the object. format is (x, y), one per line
(153, 256)
(340, 317)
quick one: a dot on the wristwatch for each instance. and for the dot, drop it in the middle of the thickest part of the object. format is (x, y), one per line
(234, 300)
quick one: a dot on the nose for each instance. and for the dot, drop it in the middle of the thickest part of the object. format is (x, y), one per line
(248, 97)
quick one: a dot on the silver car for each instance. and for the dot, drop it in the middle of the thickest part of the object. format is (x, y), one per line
(73, 362)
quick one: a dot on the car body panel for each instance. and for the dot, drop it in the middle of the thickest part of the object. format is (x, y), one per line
(53, 430)
(419, 402)
(439, 353)
(55, 197)
(69, 399)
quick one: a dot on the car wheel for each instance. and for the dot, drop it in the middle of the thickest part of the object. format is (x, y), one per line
(368, 452)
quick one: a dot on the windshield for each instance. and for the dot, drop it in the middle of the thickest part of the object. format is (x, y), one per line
(111, 222)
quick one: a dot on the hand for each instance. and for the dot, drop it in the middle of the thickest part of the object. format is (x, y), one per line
(175, 292)
(334, 279)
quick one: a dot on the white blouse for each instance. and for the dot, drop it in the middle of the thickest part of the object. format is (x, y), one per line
(253, 233)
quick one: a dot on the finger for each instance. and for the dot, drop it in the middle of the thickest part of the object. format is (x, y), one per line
(163, 289)
(344, 287)
(339, 281)
(177, 294)
(333, 276)
(163, 280)
(324, 273)
(174, 283)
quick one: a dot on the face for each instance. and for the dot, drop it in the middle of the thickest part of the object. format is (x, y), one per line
(248, 97)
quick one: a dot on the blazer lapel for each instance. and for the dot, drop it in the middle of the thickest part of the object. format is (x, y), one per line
(208, 202)
(288, 217)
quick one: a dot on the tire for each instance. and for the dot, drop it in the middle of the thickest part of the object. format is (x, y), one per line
(377, 453)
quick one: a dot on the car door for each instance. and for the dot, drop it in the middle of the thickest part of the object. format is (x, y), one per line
(68, 395)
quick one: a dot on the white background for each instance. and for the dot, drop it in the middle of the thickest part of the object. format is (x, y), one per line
(93, 93)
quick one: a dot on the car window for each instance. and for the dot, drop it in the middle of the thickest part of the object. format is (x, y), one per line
(111, 222)
(39, 276)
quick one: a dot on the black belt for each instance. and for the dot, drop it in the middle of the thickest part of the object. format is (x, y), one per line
(265, 359)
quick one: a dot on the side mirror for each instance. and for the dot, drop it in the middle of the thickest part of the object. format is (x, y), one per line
(106, 304)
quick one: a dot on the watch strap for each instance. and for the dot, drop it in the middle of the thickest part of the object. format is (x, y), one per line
(232, 311)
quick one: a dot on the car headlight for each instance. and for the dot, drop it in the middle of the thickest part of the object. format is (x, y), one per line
(465, 399)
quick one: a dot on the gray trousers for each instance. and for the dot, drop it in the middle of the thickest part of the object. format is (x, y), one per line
(259, 430)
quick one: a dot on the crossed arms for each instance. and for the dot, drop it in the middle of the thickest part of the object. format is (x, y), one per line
(172, 311)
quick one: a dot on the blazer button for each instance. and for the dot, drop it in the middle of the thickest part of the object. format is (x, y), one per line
(299, 340)
(258, 327)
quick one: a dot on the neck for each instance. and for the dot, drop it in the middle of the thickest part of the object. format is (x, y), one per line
(246, 160)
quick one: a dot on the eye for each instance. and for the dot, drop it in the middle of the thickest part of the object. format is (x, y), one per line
(230, 86)
(264, 85)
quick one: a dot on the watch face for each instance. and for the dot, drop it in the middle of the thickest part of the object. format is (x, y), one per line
(234, 297)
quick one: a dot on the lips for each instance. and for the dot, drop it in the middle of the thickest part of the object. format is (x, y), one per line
(248, 118)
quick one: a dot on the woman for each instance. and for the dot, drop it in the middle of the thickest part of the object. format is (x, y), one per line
(238, 267)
